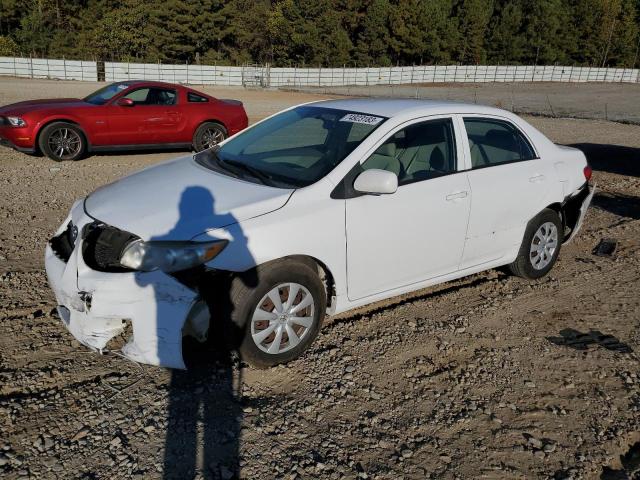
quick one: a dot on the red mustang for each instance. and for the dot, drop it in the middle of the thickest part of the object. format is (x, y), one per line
(121, 116)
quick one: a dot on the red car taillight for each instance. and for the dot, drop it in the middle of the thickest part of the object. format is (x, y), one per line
(588, 171)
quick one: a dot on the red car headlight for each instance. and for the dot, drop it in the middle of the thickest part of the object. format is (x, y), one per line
(16, 122)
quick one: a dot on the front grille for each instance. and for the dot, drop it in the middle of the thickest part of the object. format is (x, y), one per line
(103, 245)
(63, 244)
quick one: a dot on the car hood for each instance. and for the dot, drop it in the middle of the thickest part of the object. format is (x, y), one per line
(21, 108)
(179, 200)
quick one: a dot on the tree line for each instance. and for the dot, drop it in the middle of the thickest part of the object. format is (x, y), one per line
(326, 32)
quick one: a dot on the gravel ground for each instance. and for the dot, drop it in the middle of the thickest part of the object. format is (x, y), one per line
(486, 377)
(600, 101)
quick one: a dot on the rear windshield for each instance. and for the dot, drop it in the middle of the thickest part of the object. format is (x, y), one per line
(294, 148)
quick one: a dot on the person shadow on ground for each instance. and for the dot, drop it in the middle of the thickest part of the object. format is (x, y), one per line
(204, 416)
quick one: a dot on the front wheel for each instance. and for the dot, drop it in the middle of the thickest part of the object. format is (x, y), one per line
(281, 315)
(62, 141)
(540, 247)
(208, 135)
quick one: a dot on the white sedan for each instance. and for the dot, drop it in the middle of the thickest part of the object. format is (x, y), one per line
(316, 210)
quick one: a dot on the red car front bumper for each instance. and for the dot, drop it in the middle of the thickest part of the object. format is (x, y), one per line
(21, 139)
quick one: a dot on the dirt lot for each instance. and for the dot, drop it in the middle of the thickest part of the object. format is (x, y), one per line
(487, 377)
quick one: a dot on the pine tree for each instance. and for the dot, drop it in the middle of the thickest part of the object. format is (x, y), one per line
(473, 17)
(505, 44)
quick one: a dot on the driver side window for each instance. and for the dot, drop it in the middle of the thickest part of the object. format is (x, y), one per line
(419, 152)
(152, 96)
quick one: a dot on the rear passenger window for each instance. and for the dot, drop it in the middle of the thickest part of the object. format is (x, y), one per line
(419, 152)
(493, 142)
(195, 98)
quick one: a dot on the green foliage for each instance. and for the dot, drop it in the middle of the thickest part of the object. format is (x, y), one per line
(326, 32)
(7, 47)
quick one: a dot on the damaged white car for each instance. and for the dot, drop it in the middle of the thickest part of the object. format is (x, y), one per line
(318, 209)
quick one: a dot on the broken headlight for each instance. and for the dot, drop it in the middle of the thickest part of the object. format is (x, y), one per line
(169, 256)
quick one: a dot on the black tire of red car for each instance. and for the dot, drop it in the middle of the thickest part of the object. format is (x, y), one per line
(244, 295)
(524, 265)
(62, 141)
(208, 135)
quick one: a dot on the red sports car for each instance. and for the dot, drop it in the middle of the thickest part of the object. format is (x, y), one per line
(121, 116)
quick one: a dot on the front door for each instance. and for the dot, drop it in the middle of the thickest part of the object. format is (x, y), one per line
(153, 119)
(418, 232)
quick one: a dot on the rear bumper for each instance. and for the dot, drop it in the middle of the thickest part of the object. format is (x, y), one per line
(575, 208)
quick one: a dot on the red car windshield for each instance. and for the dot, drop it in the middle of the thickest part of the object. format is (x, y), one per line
(102, 96)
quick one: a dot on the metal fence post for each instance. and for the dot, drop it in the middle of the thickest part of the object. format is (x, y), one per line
(64, 64)
(31, 65)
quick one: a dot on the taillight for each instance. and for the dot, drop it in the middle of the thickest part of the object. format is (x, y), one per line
(587, 172)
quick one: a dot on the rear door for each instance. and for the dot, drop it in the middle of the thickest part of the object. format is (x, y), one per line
(418, 232)
(154, 117)
(509, 184)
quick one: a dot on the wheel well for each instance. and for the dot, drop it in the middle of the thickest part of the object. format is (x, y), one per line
(65, 120)
(213, 120)
(557, 207)
(323, 272)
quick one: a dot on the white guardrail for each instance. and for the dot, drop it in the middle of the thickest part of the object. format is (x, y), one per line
(265, 76)
(49, 68)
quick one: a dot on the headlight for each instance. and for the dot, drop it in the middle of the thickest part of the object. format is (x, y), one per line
(16, 121)
(169, 256)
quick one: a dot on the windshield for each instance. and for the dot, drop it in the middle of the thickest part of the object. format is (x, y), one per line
(294, 148)
(102, 96)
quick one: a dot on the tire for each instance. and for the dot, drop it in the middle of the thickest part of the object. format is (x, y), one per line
(540, 246)
(208, 135)
(62, 141)
(250, 296)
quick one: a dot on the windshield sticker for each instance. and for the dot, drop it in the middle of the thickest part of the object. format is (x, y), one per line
(359, 118)
(122, 86)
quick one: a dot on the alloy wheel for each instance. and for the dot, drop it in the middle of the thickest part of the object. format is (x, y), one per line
(65, 143)
(211, 137)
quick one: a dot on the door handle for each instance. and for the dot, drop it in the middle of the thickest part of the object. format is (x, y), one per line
(456, 195)
(536, 178)
(172, 112)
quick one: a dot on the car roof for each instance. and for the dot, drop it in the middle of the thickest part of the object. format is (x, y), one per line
(390, 107)
(148, 83)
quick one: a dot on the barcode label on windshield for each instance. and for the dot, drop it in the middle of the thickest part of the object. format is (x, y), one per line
(358, 118)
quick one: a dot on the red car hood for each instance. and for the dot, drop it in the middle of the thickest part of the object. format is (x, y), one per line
(31, 105)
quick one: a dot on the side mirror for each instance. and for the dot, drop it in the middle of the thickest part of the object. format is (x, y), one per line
(125, 102)
(376, 182)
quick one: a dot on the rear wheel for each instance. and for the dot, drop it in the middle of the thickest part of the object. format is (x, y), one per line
(279, 317)
(208, 135)
(62, 141)
(540, 247)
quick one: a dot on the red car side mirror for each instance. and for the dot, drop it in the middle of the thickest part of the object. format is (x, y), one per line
(125, 102)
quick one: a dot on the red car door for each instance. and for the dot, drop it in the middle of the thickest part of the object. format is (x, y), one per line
(151, 117)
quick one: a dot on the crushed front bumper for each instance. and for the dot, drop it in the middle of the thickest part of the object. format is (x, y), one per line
(97, 306)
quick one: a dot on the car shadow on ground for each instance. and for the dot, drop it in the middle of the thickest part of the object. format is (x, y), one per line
(618, 204)
(136, 151)
(593, 338)
(611, 158)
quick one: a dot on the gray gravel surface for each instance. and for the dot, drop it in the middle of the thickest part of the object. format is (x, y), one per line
(486, 377)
